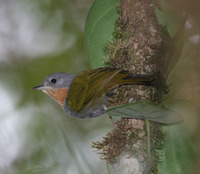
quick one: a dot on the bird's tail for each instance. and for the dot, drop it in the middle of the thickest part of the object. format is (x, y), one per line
(138, 80)
(116, 77)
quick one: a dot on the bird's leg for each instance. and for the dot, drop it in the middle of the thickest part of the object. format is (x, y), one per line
(113, 122)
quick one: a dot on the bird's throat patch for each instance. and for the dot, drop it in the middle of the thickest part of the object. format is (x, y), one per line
(57, 94)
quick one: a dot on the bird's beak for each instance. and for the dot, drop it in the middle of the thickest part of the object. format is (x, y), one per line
(40, 87)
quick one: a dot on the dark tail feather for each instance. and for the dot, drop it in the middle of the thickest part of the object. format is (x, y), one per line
(157, 81)
(139, 80)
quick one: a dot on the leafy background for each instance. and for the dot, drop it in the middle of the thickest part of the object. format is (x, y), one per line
(38, 38)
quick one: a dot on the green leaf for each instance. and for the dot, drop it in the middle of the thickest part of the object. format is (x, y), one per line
(178, 156)
(99, 28)
(145, 110)
(180, 152)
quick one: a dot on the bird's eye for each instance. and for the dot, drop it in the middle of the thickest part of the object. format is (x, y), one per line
(53, 80)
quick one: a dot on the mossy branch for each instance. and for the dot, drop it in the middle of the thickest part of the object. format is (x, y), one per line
(140, 45)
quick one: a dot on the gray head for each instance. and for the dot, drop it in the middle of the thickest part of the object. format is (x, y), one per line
(56, 80)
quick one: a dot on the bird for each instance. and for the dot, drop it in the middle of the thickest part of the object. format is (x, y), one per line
(84, 95)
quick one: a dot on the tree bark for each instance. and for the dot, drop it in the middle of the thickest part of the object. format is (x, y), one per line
(139, 46)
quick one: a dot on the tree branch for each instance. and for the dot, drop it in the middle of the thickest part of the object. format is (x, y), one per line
(140, 46)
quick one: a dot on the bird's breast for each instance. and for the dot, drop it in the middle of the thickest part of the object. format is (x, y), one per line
(57, 94)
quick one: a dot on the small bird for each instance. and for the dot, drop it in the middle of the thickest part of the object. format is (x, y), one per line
(85, 95)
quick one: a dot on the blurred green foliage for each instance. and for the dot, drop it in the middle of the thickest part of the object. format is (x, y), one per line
(49, 140)
(45, 138)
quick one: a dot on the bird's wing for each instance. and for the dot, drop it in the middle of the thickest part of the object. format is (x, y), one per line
(98, 82)
(89, 85)
(77, 93)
